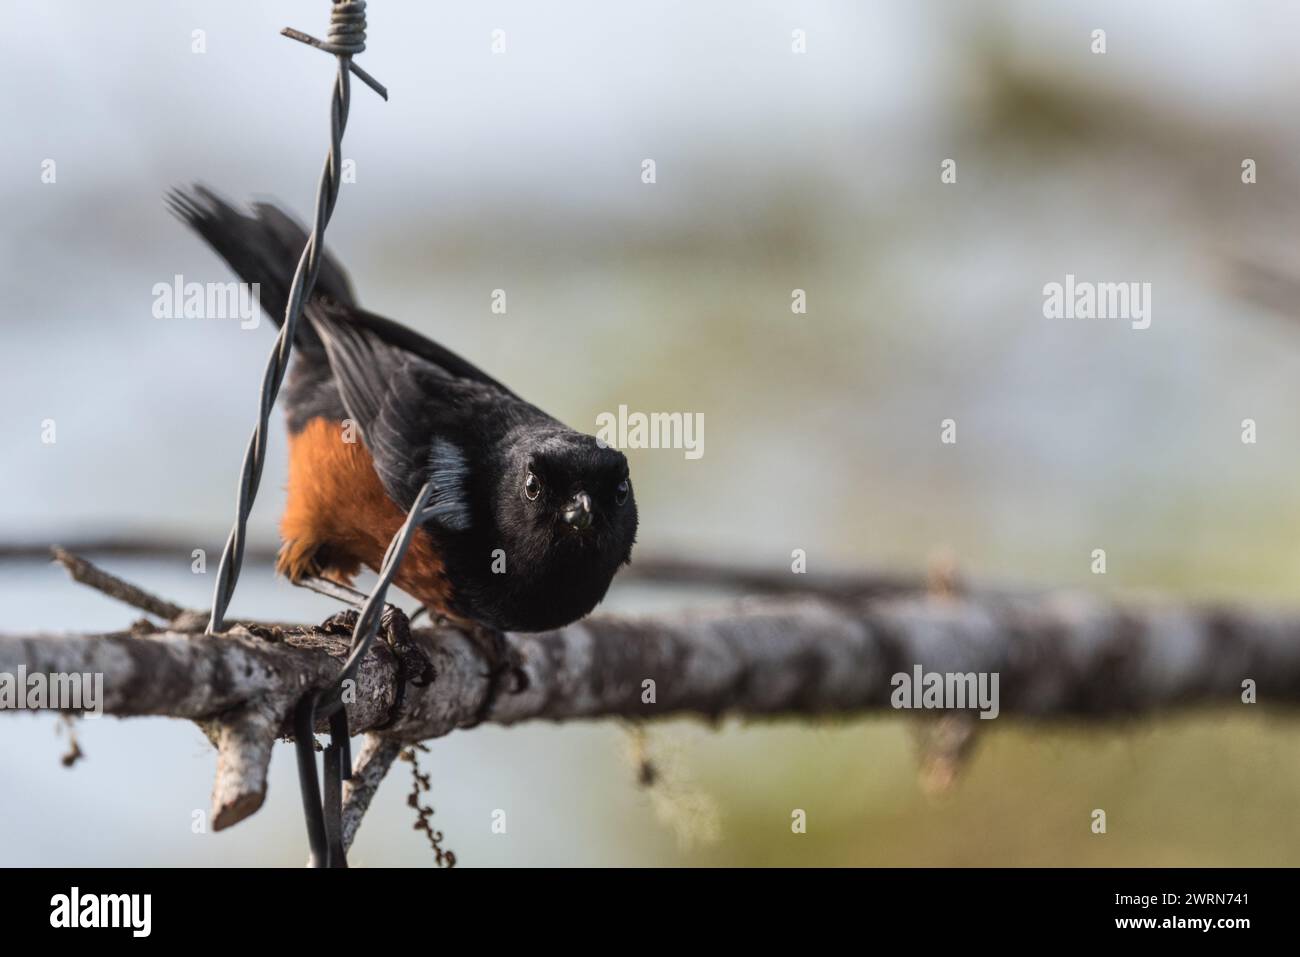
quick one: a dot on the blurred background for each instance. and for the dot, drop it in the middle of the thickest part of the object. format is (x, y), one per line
(820, 171)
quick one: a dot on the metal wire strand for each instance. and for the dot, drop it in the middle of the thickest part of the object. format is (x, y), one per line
(347, 36)
(368, 621)
(347, 33)
(324, 811)
(304, 741)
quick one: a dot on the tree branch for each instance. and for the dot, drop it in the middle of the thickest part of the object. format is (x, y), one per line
(1057, 656)
(86, 573)
(371, 767)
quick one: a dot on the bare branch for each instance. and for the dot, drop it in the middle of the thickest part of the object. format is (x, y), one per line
(668, 570)
(244, 741)
(1063, 655)
(1059, 656)
(86, 573)
(368, 772)
(841, 585)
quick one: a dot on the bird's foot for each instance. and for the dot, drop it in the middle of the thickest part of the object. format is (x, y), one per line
(341, 623)
(395, 628)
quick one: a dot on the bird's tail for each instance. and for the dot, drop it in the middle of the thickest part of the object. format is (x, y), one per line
(263, 248)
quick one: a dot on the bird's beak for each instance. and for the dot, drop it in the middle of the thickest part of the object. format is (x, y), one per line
(578, 512)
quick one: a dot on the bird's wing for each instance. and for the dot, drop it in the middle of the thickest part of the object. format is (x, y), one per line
(407, 408)
(408, 340)
(265, 248)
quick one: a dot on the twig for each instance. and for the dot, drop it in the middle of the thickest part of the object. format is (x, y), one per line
(837, 585)
(86, 573)
(745, 579)
(244, 741)
(372, 764)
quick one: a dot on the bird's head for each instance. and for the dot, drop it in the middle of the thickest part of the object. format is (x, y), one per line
(563, 493)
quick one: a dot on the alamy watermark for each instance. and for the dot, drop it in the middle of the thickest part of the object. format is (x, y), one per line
(62, 691)
(75, 909)
(942, 691)
(208, 300)
(1098, 300)
(653, 430)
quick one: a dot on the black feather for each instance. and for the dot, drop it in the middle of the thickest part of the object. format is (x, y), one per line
(424, 413)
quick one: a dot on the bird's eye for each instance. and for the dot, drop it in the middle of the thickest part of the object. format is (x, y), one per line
(532, 487)
(621, 492)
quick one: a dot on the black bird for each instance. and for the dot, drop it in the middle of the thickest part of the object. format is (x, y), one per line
(530, 519)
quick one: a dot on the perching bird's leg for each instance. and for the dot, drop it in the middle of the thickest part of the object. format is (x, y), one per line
(332, 589)
(393, 625)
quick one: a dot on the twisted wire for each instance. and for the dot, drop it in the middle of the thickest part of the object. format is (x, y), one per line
(304, 280)
(367, 625)
(323, 812)
(347, 32)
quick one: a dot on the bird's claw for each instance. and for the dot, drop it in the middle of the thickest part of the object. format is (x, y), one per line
(341, 623)
(395, 628)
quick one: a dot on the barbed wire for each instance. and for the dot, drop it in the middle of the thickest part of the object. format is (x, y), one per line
(346, 38)
(323, 812)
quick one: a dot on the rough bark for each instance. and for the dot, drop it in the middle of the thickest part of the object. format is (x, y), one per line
(1056, 655)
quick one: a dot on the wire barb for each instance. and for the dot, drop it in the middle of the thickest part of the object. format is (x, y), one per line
(346, 38)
